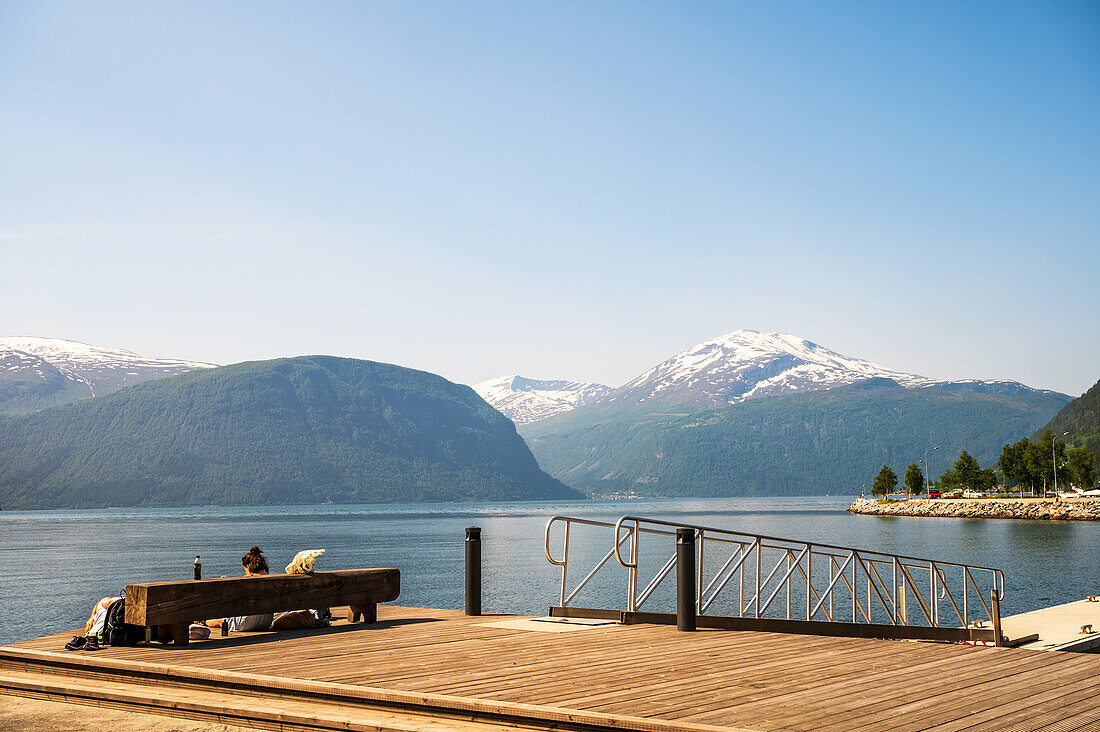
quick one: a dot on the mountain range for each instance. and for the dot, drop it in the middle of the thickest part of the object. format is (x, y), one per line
(723, 371)
(752, 413)
(529, 400)
(747, 413)
(36, 373)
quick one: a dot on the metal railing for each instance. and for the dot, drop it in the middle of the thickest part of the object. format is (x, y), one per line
(753, 574)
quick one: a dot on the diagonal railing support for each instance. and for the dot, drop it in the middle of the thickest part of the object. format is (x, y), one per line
(743, 564)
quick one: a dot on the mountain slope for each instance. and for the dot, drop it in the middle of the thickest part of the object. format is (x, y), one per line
(1081, 418)
(75, 371)
(526, 400)
(29, 383)
(298, 430)
(829, 441)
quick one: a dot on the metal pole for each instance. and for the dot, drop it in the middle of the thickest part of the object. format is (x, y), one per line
(867, 576)
(927, 478)
(685, 579)
(788, 583)
(473, 570)
(932, 589)
(741, 581)
(699, 576)
(998, 639)
(894, 587)
(927, 485)
(756, 597)
(935, 595)
(855, 597)
(810, 581)
(1054, 462)
(632, 573)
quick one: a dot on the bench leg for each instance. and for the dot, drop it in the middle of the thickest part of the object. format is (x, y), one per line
(369, 611)
(179, 631)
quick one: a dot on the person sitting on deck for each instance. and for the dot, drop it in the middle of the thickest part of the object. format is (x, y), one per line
(255, 564)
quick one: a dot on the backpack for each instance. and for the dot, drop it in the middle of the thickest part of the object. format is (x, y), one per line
(116, 631)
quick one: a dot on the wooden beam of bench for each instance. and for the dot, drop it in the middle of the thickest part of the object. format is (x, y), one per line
(164, 603)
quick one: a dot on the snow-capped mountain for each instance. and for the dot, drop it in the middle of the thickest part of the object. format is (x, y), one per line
(529, 400)
(747, 364)
(48, 371)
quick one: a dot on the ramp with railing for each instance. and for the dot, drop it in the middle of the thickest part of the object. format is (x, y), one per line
(756, 582)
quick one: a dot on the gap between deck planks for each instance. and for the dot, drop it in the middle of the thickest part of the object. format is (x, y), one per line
(745, 678)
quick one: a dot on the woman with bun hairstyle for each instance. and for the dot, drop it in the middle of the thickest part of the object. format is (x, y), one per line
(255, 564)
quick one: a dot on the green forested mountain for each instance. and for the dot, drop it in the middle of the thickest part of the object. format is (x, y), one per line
(819, 442)
(1081, 418)
(296, 430)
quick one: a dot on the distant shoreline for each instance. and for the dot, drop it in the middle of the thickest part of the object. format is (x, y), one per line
(1065, 509)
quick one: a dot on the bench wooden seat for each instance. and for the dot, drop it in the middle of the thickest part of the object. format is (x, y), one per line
(172, 606)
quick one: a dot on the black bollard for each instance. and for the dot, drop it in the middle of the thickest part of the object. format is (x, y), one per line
(685, 579)
(198, 567)
(473, 570)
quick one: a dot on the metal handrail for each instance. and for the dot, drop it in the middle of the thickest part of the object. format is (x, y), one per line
(790, 558)
(564, 562)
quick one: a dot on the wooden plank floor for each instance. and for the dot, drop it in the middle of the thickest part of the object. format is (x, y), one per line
(735, 679)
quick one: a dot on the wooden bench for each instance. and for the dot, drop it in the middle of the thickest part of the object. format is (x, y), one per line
(171, 606)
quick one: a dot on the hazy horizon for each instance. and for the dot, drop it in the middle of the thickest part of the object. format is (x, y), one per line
(568, 192)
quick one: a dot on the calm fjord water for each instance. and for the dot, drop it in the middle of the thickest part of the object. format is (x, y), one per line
(58, 563)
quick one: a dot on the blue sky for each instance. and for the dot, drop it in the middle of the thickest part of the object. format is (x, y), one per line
(563, 191)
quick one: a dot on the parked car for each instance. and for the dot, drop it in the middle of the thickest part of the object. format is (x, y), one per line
(933, 492)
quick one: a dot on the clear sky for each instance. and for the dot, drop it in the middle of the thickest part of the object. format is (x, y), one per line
(571, 190)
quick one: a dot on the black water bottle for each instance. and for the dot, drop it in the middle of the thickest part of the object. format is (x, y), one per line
(198, 567)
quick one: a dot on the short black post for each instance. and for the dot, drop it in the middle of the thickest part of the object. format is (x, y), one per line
(473, 570)
(685, 579)
(198, 568)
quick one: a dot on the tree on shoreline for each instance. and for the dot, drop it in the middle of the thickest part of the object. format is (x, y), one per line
(914, 479)
(1016, 464)
(885, 482)
(1031, 464)
(1042, 457)
(1080, 468)
(968, 474)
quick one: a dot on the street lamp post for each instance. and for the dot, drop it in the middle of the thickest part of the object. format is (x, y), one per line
(927, 479)
(1054, 462)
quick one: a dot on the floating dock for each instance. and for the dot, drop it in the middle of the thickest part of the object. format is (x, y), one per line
(1073, 627)
(426, 670)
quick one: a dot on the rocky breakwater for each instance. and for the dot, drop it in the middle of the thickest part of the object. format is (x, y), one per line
(1079, 509)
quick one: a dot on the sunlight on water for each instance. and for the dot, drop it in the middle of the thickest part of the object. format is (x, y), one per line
(60, 562)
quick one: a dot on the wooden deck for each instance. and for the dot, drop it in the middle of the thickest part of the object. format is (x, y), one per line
(437, 669)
